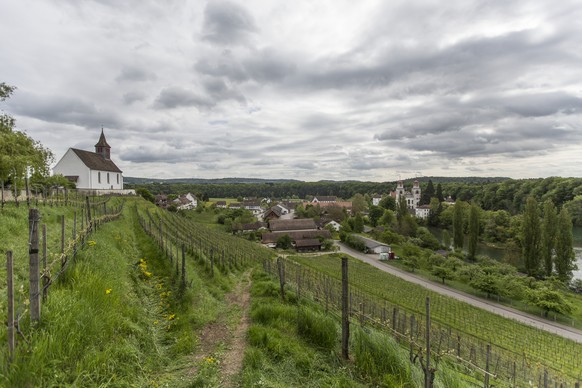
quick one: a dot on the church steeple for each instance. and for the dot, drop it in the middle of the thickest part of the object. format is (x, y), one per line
(102, 148)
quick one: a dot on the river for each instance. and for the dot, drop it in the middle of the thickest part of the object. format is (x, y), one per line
(498, 253)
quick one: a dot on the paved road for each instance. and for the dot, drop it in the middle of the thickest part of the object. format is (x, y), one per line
(508, 312)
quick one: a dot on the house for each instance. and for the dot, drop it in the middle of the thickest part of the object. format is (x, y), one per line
(423, 211)
(270, 239)
(324, 199)
(333, 224)
(308, 245)
(221, 204)
(292, 225)
(91, 170)
(186, 202)
(255, 226)
(273, 213)
(253, 206)
(375, 246)
(235, 205)
(376, 200)
(161, 200)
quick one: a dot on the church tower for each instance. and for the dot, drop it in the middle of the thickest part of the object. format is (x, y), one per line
(102, 148)
(416, 192)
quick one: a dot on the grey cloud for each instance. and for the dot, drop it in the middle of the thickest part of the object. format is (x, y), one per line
(175, 97)
(227, 23)
(131, 97)
(135, 74)
(63, 109)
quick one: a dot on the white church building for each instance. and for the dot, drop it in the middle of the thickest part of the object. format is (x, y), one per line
(412, 197)
(91, 170)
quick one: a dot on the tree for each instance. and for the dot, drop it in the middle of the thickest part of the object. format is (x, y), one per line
(548, 236)
(458, 235)
(411, 263)
(358, 203)
(388, 203)
(19, 153)
(147, 195)
(439, 193)
(564, 260)
(427, 193)
(473, 231)
(443, 273)
(531, 234)
(375, 214)
(284, 242)
(436, 208)
(446, 237)
(358, 223)
(548, 300)
(401, 211)
(487, 283)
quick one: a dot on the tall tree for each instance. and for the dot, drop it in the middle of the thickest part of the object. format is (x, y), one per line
(439, 193)
(531, 236)
(427, 194)
(401, 211)
(549, 225)
(458, 235)
(358, 203)
(564, 260)
(473, 231)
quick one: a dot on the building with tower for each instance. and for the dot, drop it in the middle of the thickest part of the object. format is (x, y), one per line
(412, 197)
(91, 170)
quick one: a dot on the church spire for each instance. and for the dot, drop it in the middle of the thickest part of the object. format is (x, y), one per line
(102, 148)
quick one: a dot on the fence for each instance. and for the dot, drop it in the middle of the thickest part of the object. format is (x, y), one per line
(475, 358)
(43, 274)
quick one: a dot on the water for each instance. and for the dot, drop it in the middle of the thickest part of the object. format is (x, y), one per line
(498, 253)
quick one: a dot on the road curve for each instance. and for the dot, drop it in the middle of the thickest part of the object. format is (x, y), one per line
(507, 312)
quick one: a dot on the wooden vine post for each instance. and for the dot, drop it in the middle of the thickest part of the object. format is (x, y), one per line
(345, 311)
(34, 273)
(281, 269)
(10, 293)
(183, 266)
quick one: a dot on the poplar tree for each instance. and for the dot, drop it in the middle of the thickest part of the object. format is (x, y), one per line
(458, 226)
(564, 260)
(549, 226)
(531, 236)
(473, 231)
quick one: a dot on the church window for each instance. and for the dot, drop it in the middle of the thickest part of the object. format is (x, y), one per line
(117, 178)
(99, 177)
(107, 177)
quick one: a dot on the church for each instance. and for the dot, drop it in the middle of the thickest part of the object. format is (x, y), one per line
(91, 170)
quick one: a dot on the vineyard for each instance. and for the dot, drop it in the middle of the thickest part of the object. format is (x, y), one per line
(485, 348)
(520, 352)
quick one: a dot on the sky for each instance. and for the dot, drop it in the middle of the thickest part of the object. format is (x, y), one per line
(309, 90)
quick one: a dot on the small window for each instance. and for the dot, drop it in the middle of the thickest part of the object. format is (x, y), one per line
(117, 178)
(107, 177)
(99, 177)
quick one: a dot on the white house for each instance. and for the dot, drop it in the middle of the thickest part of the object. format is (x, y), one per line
(91, 170)
(186, 202)
(422, 211)
(376, 200)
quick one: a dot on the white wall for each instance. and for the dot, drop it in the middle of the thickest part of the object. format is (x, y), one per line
(71, 164)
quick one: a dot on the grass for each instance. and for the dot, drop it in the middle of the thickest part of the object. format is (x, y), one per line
(295, 344)
(506, 335)
(117, 317)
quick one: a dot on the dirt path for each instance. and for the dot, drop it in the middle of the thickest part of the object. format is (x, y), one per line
(508, 312)
(233, 358)
(219, 333)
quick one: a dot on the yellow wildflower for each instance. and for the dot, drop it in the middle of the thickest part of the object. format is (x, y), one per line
(108, 291)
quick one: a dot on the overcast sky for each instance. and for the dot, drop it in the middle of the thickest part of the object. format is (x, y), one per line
(338, 89)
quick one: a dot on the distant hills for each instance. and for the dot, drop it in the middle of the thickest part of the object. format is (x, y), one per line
(218, 181)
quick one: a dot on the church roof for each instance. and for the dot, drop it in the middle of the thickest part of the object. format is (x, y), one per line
(102, 142)
(95, 161)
